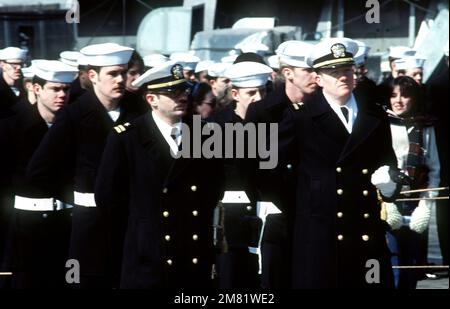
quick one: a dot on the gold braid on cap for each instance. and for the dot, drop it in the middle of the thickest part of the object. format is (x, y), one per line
(334, 61)
(167, 84)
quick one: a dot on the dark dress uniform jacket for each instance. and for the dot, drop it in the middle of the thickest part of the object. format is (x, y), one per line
(67, 160)
(275, 108)
(337, 225)
(33, 249)
(7, 98)
(168, 238)
(236, 266)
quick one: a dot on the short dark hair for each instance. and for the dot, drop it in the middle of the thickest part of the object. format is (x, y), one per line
(136, 59)
(93, 67)
(40, 81)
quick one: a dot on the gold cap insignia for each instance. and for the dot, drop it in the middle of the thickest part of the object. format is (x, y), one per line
(177, 71)
(338, 50)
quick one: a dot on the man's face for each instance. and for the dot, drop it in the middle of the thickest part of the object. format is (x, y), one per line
(401, 105)
(169, 105)
(52, 96)
(133, 73)
(303, 78)
(12, 68)
(416, 74)
(189, 75)
(393, 66)
(110, 81)
(220, 87)
(338, 82)
(245, 96)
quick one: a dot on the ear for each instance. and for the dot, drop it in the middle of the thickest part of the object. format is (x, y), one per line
(212, 82)
(37, 88)
(152, 99)
(319, 80)
(93, 75)
(235, 94)
(288, 73)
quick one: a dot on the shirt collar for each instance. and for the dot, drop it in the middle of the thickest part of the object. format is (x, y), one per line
(352, 110)
(166, 131)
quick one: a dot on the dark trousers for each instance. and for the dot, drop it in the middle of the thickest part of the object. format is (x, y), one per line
(237, 268)
(40, 248)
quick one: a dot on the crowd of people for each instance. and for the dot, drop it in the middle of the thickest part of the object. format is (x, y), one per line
(90, 172)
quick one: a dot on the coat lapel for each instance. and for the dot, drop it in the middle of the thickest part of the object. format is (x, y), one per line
(327, 121)
(366, 121)
(180, 164)
(158, 149)
(155, 145)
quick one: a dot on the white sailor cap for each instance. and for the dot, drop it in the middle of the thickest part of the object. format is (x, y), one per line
(70, 57)
(248, 74)
(274, 62)
(13, 53)
(28, 72)
(363, 49)
(294, 53)
(409, 63)
(218, 69)
(203, 65)
(361, 55)
(332, 53)
(54, 71)
(187, 60)
(106, 54)
(252, 47)
(229, 58)
(400, 52)
(154, 60)
(166, 75)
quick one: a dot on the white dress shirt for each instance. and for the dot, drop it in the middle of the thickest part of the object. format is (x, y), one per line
(114, 114)
(166, 131)
(352, 111)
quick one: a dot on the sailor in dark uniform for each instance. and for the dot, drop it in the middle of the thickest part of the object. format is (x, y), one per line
(165, 203)
(11, 89)
(364, 85)
(133, 94)
(11, 62)
(82, 83)
(298, 88)
(71, 151)
(238, 262)
(41, 225)
(30, 97)
(337, 231)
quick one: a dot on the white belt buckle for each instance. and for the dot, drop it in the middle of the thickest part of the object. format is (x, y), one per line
(37, 204)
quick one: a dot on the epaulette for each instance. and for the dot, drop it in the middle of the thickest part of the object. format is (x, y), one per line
(122, 127)
(297, 106)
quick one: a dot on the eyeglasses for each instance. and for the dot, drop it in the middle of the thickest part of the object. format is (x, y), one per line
(174, 92)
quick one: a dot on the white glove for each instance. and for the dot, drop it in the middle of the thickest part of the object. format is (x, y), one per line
(393, 216)
(421, 216)
(381, 179)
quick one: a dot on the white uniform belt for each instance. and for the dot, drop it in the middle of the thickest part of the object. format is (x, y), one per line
(39, 204)
(235, 197)
(84, 199)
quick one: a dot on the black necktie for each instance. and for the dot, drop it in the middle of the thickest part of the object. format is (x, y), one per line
(345, 112)
(174, 134)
